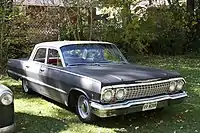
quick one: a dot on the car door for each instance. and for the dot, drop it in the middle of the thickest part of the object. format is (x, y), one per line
(33, 68)
(52, 75)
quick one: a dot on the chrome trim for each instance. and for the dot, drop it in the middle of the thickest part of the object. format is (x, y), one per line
(46, 55)
(130, 103)
(123, 96)
(148, 80)
(65, 71)
(62, 58)
(3, 93)
(102, 95)
(37, 82)
(137, 84)
(7, 90)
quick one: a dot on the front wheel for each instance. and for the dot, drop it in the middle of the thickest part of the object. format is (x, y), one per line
(25, 87)
(84, 110)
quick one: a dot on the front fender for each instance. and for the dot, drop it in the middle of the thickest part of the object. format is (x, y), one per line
(79, 90)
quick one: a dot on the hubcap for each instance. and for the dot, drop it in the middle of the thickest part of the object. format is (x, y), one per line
(25, 85)
(83, 107)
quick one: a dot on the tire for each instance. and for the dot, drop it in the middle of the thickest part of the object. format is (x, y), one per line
(25, 87)
(84, 110)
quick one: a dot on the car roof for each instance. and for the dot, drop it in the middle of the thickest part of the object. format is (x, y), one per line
(59, 44)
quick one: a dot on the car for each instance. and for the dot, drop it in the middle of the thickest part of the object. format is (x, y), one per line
(96, 79)
(7, 124)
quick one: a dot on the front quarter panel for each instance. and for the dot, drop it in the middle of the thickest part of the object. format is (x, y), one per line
(61, 82)
(90, 87)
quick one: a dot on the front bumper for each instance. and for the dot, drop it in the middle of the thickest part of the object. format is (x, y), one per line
(8, 129)
(135, 105)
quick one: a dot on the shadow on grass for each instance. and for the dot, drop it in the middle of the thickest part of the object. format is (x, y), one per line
(27, 123)
(173, 118)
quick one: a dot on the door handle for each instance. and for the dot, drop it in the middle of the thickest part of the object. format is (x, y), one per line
(42, 69)
(27, 66)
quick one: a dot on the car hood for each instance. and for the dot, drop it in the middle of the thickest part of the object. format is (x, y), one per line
(120, 73)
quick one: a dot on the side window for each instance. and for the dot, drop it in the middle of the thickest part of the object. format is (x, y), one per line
(54, 58)
(40, 55)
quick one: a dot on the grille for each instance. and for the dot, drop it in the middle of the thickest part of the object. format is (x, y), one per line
(147, 90)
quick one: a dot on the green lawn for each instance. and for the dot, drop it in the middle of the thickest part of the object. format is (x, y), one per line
(36, 114)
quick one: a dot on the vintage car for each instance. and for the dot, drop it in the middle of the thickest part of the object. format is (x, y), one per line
(96, 79)
(7, 124)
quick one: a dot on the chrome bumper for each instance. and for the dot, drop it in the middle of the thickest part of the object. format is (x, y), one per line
(135, 105)
(8, 129)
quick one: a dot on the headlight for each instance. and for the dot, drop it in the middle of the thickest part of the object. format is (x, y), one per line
(6, 98)
(120, 93)
(107, 95)
(172, 86)
(180, 84)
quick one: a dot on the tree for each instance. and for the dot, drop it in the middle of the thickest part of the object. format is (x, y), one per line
(190, 6)
(5, 14)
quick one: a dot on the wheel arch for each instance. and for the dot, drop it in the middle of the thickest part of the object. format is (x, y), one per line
(73, 95)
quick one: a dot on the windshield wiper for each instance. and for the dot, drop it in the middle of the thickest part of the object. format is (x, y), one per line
(118, 62)
(82, 64)
(96, 63)
(123, 62)
(77, 64)
(105, 61)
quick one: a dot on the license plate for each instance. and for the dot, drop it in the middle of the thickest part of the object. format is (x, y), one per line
(149, 106)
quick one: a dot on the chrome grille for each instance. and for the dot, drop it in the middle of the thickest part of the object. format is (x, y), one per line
(147, 90)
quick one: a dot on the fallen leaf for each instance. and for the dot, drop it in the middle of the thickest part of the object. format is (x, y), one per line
(136, 127)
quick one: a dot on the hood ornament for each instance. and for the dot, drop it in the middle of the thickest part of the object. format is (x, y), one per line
(116, 77)
(148, 80)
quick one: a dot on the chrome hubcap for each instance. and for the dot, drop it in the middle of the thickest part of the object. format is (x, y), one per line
(83, 107)
(25, 84)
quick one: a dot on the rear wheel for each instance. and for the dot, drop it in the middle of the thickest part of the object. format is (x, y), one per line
(84, 110)
(25, 87)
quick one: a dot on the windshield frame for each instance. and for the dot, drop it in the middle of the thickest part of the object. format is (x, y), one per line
(124, 60)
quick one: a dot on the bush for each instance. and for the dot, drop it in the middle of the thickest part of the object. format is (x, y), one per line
(14, 41)
(170, 30)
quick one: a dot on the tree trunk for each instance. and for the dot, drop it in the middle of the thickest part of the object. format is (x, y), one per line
(190, 6)
(126, 13)
(91, 23)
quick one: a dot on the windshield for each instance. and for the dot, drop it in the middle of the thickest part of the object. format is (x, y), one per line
(91, 53)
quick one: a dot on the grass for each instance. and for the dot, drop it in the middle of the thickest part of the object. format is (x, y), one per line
(36, 114)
